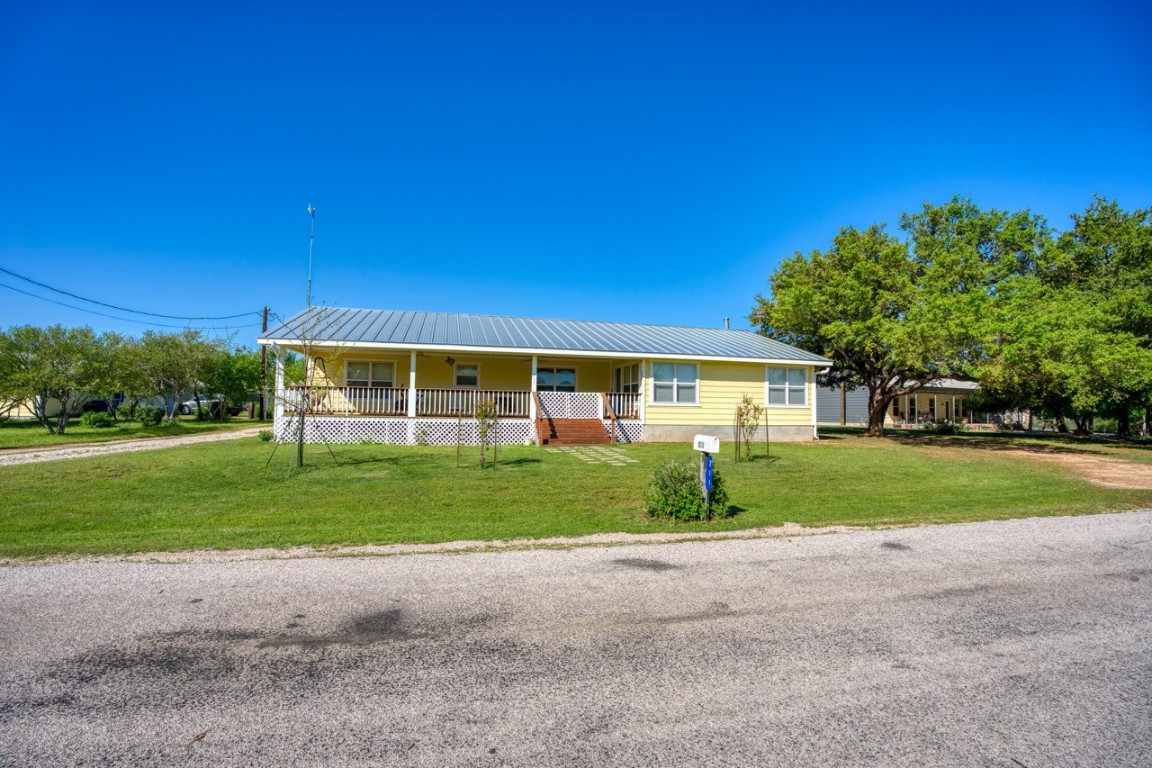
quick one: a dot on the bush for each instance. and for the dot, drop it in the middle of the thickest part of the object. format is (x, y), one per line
(149, 415)
(98, 419)
(1107, 425)
(944, 427)
(675, 492)
(266, 435)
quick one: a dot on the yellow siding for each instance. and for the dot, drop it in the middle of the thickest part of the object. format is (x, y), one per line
(332, 370)
(591, 375)
(722, 386)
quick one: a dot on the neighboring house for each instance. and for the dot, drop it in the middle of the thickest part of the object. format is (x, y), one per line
(944, 400)
(23, 411)
(416, 377)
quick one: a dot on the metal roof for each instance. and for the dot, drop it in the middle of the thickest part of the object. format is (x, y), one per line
(393, 329)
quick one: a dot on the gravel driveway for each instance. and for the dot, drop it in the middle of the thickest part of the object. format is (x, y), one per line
(35, 455)
(1007, 644)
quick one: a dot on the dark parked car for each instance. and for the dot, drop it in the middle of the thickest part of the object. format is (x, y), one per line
(210, 404)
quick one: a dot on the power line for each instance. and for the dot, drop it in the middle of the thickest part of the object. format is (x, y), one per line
(127, 319)
(113, 306)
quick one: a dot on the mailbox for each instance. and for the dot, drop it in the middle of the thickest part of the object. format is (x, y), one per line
(706, 444)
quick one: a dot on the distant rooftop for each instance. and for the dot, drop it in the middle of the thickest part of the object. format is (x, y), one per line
(394, 329)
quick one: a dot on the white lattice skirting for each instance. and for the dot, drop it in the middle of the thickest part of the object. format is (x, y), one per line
(328, 429)
(626, 431)
(571, 405)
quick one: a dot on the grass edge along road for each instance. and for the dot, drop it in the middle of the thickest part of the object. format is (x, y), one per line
(227, 495)
(31, 435)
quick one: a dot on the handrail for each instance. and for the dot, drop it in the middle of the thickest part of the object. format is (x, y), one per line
(626, 404)
(540, 419)
(608, 409)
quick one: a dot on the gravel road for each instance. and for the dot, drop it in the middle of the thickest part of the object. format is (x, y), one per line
(32, 456)
(1016, 643)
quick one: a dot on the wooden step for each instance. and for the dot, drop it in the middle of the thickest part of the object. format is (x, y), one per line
(573, 432)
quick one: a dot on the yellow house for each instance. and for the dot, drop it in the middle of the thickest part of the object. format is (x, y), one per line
(418, 377)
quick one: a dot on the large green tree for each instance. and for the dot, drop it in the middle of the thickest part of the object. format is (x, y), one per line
(852, 302)
(55, 365)
(1107, 257)
(1072, 337)
(896, 315)
(233, 374)
(175, 364)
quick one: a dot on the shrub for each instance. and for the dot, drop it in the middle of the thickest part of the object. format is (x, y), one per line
(748, 416)
(675, 492)
(98, 419)
(944, 427)
(149, 415)
(1105, 426)
(266, 435)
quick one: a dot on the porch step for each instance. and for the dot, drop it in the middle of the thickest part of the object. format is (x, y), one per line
(573, 432)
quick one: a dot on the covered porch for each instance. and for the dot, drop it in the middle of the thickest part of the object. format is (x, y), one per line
(351, 396)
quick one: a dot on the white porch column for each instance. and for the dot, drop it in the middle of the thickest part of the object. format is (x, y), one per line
(532, 397)
(643, 390)
(412, 384)
(812, 402)
(278, 393)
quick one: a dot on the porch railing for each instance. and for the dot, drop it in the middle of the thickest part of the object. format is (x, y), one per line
(626, 405)
(347, 401)
(393, 401)
(463, 402)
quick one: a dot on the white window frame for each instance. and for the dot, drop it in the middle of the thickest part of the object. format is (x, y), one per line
(638, 382)
(675, 402)
(370, 363)
(456, 375)
(553, 368)
(787, 387)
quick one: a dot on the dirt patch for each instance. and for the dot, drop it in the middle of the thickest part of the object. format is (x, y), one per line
(1106, 473)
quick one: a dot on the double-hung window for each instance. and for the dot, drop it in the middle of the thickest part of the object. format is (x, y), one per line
(675, 383)
(467, 375)
(361, 373)
(787, 386)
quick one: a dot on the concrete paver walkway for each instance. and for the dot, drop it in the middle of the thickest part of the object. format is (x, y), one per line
(595, 454)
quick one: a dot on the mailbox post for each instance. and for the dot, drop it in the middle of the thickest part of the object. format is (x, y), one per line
(707, 445)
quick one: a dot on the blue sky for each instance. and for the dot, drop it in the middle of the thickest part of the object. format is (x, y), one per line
(636, 161)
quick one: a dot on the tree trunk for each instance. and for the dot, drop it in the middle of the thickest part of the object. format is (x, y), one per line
(300, 434)
(878, 402)
(1124, 418)
(40, 409)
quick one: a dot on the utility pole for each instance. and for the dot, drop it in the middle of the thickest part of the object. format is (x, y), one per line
(263, 363)
(311, 244)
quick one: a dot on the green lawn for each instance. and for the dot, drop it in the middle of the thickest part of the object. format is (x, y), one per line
(32, 434)
(227, 495)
